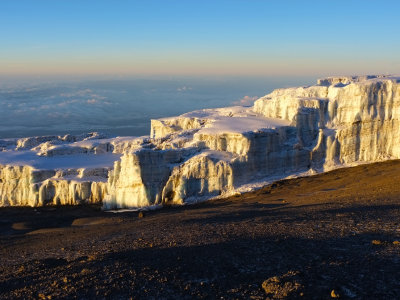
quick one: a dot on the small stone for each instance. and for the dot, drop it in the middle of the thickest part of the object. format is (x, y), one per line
(85, 271)
(396, 243)
(91, 257)
(335, 294)
(285, 286)
(376, 242)
(42, 296)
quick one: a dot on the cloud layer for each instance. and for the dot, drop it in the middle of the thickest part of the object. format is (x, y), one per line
(117, 107)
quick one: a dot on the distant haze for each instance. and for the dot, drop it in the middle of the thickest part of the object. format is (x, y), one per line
(119, 107)
(100, 65)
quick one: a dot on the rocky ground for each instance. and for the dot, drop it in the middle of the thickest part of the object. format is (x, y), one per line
(331, 235)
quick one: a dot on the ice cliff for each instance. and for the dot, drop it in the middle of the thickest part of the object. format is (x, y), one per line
(340, 121)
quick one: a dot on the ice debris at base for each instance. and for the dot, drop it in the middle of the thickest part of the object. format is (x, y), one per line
(341, 121)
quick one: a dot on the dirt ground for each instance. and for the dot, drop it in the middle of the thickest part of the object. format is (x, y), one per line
(334, 235)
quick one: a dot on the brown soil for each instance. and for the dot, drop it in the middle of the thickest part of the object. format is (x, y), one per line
(327, 236)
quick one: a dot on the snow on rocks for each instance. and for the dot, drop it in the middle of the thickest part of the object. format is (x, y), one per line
(340, 121)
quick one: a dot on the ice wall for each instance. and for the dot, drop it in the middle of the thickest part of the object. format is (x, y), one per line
(358, 121)
(58, 170)
(340, 121)
(25, 186)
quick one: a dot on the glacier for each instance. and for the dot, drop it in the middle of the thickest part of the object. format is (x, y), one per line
(341, 121)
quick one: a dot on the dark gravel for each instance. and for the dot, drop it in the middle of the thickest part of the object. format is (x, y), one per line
(331, 235)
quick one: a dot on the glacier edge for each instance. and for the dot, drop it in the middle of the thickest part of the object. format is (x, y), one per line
(340, 121)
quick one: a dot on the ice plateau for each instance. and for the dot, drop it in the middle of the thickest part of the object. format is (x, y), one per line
(340, 121)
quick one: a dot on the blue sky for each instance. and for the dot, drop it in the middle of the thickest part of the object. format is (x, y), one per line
(199, 37)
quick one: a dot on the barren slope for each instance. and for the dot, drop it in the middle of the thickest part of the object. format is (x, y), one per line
(334, 231)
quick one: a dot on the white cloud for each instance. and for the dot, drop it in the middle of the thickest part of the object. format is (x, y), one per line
(246, 100)
(184, 88)
(67, 102)
(79, 93)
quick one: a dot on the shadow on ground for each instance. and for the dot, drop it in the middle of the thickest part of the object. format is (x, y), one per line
(352, 266)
